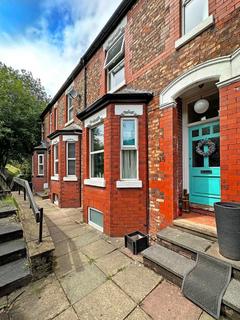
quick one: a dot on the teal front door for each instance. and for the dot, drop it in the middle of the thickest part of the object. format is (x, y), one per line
(204, 163)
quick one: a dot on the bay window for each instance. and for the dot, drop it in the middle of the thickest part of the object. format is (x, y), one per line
(71, 158)
(114, 64)
(55, 160)
(193, 13)
(129, 149)
(96, 148)
(40, 164)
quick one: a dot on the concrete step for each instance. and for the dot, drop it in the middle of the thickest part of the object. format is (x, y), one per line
(168, 263)
(183, 242)
(7, 211)
(14, 275)
(12, 250)
(173, 266)
(10, 229)
(198, 229)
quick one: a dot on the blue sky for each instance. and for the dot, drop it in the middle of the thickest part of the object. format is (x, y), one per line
(48, 37)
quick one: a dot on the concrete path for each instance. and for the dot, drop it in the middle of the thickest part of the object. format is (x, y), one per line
(95, 278)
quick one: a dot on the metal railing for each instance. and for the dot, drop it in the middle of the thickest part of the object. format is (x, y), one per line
(37, 211)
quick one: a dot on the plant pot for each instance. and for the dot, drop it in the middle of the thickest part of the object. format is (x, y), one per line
(228, 228)
(136, 242)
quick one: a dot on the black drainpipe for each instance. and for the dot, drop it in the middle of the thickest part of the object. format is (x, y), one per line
(85, 85)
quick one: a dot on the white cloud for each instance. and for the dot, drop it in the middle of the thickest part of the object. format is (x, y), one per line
(43, 54)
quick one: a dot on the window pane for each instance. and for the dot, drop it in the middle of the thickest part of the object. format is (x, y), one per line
(70, 114)
(96, 217)
(205, 131)
(116, 77)
(56, 151)
(97, 165)
(97, 138)
(216, 128)
(115, 52)
(56, 168)
(195, 133)
(197, 159)
(129, 164)
(71, 150)
(195, 12)
(71, 168)
(128, 132)
(40, 170)
(214, 159)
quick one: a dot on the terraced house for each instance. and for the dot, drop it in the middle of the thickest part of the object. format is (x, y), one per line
(149, 118)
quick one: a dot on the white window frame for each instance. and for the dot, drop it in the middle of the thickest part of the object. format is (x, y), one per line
(69, 108)
(121, 52)
(184, 4)
(55, 160)
(112, 70)
(40, 163)
(92, 223)
(70, 159)
(133, 147)
(95, 152)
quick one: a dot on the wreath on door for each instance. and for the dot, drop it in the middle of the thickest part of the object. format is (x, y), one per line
(211, 147)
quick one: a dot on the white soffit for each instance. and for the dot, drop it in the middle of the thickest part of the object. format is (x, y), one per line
(128, 110)
(95, 119)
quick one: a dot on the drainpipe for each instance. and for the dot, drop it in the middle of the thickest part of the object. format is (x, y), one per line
(85, 85)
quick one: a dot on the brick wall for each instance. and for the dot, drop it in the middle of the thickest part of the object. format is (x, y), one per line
(38, 181)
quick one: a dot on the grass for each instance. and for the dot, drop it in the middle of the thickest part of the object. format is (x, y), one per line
(8, 201)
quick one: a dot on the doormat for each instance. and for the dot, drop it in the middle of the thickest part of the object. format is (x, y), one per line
(206, 283)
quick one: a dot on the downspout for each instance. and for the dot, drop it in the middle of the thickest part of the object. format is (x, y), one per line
(85, 85)
(148, 193)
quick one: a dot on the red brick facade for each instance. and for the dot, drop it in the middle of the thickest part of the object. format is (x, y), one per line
(153, 64)
(39, 181)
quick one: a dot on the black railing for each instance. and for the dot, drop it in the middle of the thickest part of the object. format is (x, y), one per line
(38, 212)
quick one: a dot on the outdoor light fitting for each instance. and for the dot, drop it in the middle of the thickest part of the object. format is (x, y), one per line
(201, 106)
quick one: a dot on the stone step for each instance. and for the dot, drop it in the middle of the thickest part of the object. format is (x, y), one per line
(173, 266)
(183, 242)
(10, 229)
(12, 250)
(198, 229)
(7, 211)
(14, 275)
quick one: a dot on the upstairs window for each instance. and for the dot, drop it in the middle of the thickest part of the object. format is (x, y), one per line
(129, 149)
(97, 152)
(40, 164)
(114, 65)
(71, 159)
(55, 160)
(69, 107)
(194, 12)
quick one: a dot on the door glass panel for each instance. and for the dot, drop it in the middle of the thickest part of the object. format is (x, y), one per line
(195, 133)
(205, 131)
(214, 159)
(197, 159)
(216, 128)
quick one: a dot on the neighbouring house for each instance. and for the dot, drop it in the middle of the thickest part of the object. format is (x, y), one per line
(152, 109)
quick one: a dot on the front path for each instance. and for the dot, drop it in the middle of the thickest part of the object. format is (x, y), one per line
(95, 278)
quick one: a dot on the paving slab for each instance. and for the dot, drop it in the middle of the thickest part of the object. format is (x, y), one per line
(138, 314)
(135, 257)
(206, 316)
(113, 263)
(86, 238)
(74, 261)
(98, 249)
(167, 302)
(105, 303)
(41, 300)
(232, 297)
(68, 314)
(116, 242)
(79, 284)
(137, 281)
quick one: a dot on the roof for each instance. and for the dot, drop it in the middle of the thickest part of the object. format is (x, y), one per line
(71, 129)
(42, 146)
(121, 97)
(112, 23)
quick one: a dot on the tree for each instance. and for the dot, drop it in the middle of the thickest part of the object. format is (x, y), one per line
(22, 99)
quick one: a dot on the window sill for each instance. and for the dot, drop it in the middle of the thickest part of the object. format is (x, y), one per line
(194, 32)
(95, 182)
(55, 178)
(73, 178)
(68, 123)
(129, 184)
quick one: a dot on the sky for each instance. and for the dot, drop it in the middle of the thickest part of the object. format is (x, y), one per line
(48, 37)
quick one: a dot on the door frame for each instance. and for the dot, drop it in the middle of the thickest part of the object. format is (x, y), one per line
(185, 137)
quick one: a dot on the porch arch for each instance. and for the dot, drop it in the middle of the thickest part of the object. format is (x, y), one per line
(220, 70)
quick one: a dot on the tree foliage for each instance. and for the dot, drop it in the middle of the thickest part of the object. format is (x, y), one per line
(22, 99)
